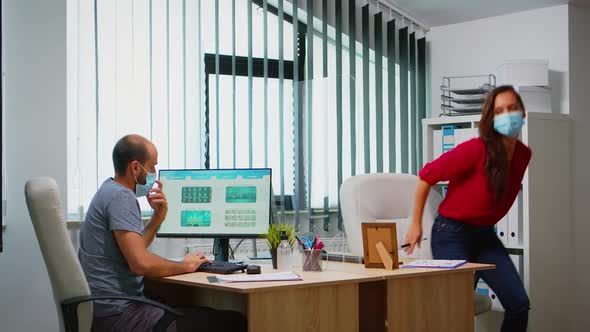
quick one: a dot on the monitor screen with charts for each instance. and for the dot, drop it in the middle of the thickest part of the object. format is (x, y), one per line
(216, 203)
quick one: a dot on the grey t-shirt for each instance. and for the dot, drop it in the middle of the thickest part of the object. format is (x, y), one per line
(113, 207)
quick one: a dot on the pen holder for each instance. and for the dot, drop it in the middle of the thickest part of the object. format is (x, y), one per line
(311, 259)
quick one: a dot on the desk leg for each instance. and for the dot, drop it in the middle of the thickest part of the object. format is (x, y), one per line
(431, 303)
(330, 308)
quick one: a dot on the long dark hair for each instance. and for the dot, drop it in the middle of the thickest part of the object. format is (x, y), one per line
(496, 165)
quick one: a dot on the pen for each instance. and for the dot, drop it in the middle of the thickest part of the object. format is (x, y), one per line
(407, 244)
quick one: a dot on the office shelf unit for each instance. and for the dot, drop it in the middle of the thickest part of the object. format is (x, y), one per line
(544, 212)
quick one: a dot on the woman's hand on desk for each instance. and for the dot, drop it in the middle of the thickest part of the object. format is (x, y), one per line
(413, 237)
(193, 261)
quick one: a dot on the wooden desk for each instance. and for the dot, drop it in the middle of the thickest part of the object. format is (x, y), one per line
(344, 297)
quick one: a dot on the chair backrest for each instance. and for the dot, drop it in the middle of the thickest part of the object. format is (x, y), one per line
(65, 272)
(384, 196)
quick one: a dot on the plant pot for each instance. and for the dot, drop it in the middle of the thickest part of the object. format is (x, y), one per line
(273, 256)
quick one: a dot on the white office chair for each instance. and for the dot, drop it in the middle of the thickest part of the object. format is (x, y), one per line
(68, 282)
(383, 196)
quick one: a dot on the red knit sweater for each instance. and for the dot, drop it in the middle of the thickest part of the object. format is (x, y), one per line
(469, 198)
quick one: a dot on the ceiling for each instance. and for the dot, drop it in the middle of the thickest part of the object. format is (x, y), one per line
(443, 12)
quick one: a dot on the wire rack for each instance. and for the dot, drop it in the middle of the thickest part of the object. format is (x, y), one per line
(463, 95)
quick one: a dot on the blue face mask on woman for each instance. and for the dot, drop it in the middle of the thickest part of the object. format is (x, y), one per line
(509, 124)
(143, 189)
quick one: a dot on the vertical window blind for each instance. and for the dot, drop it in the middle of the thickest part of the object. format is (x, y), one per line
(317, 90)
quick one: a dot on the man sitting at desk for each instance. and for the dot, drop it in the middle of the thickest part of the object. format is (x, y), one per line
(113, 248)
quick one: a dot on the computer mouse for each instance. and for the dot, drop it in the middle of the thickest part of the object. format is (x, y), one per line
(253, 269)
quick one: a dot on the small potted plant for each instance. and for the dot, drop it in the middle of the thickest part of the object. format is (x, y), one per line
(273, 238)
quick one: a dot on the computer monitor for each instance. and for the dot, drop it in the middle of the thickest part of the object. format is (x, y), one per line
(216, 203)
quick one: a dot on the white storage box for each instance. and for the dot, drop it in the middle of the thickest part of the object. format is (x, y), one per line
(536, 98)
(524, 73)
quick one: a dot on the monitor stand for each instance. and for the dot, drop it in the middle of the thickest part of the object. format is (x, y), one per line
(221, 249)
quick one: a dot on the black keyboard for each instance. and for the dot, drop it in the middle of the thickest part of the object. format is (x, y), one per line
(221, 267)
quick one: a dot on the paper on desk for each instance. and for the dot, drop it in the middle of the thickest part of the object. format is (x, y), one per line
(277, 276)
(435, 263)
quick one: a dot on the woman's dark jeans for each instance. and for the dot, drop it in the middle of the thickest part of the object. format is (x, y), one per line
(479, 244)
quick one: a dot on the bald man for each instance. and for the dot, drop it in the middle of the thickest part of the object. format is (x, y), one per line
(113, 247)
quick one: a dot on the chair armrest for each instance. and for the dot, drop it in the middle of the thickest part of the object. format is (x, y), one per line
(70, 307)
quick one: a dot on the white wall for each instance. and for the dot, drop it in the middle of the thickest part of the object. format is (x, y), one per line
(580, 112)
(35, 32)
(479, 47)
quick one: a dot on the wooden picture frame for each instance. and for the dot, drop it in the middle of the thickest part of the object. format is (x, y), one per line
(384, 233)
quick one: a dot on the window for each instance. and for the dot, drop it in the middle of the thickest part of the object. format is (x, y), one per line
(141, 69)
(233, 134)
(208, 83)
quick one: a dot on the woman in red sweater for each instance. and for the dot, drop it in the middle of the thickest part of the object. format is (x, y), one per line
(485, 176)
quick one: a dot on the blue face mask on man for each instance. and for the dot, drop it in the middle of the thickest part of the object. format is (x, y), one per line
(143, 189)
(509, 124)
